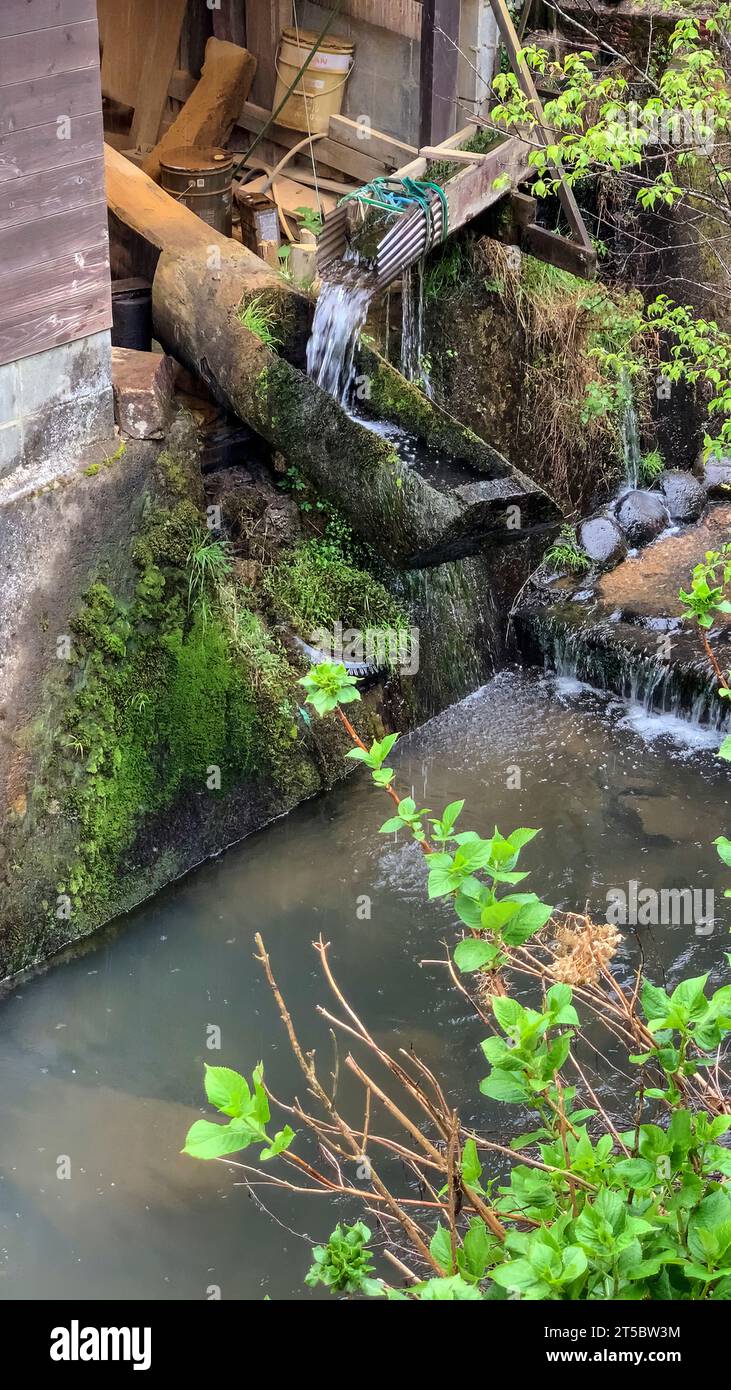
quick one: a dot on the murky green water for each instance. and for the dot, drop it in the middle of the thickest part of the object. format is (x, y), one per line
(101, 1057)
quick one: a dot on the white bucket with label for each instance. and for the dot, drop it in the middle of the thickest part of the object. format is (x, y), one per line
(319, 92)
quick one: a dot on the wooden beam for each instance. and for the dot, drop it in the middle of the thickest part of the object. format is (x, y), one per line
(360, 167)
(559, 251)
(265, 20)
(398, 16)
(473, 190)
(208, 116)
(439, 61)
(358, 135)
(18, 17)
(456, 156)
(523, 73)
(229, 22)
(157, 70)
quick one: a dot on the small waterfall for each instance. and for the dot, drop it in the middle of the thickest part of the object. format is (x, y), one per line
(610, 660)
(340, 313)
(630, 437)
(413, 366)
(453, 608)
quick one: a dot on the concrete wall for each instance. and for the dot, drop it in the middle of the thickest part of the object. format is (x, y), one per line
(384, 83)
(53, 407)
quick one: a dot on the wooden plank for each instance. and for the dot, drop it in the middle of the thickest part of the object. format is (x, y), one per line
(360, 166)
(358, 135)
(439, 64)
(50, 283)
(229, 22)
(53, 191)
(29, 16)
(265, 20)
(68, 233)
(26, 57)
(417, 167)
(559, 251)
(156, 73)
(49, 100)
(125, 29)
(37, 148)
(456, 156)
(398, 16)
(473, 191)
(69, 320)
(523, 208)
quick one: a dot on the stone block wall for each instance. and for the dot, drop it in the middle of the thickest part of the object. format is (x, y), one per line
(384, 83)
(54, 405)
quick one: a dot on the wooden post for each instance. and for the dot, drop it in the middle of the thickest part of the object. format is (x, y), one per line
(439, 67)
(229, 21)
(157, 70)
(523, 73)
(265, 20)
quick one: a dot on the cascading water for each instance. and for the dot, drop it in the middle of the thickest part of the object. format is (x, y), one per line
(341, 311)
(630, 437)
(608, 657)
(413, 364)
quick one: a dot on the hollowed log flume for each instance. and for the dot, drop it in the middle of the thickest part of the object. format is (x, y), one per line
(200, 281)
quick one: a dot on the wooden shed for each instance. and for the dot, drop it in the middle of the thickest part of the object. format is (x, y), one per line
(55, 302)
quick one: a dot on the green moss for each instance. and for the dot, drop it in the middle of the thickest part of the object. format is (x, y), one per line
(164, 702)
(316, 586)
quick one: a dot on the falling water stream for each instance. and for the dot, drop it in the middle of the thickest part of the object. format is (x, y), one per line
(413, 364)
(340, 313)
(631, 450)
(101, 1056)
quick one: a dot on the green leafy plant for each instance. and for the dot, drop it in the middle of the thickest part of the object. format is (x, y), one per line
(710, 586)
(247, 1108)
(329, 686)
(310, 219)
(566, 554)
(345, 1264)
(208, 564)
(259, 317)
(651, 466)
(587, 1209)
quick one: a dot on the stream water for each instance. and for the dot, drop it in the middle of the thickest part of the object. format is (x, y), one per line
(101, 1056)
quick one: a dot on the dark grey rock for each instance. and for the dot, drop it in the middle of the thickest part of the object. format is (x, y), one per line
(715, 475)
(682, 494)
(602, 540)
(642, 516)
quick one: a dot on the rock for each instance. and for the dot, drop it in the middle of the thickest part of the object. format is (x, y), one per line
(143, 392)
(682, 494)
(715, 475)
(602, 540)
(642, 516)
(283, 521)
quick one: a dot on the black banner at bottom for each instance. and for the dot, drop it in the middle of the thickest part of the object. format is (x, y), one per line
(155, 1339)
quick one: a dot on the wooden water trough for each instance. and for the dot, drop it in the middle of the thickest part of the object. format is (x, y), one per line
(485, 178)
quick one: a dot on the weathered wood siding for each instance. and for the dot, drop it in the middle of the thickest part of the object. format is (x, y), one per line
(54, 257)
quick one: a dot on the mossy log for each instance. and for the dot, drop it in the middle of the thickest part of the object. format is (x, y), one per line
(195, 312)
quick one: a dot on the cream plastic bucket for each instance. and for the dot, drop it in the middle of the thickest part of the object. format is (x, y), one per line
(319, 92)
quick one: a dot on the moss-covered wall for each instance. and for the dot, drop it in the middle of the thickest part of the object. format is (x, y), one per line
(530, 358)
(166, 724)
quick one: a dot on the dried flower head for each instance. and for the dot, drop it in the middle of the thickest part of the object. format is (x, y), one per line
(583, 949)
